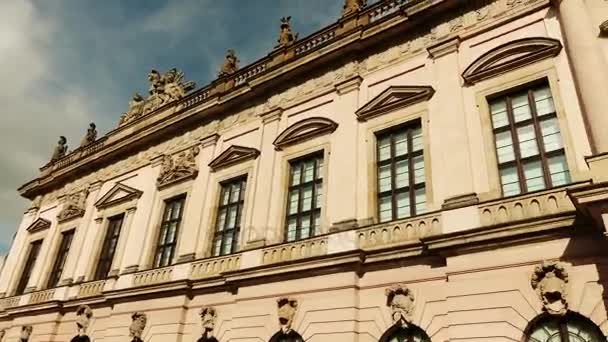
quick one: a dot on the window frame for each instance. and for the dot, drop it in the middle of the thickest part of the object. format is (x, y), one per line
(61, 257)
(562, 321)
(29, 264)
(174, 244)
(98, 274)
(240, 207)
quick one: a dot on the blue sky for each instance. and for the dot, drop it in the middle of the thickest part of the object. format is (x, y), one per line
(65, 63)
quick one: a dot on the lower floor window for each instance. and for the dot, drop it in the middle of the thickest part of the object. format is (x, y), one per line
(570, 328)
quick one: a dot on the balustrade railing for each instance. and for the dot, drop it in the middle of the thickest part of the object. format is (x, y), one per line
(295, 250)
(249, 72)
(91, 289)
(385, 8)
(397, 232)
(42, 296)
(156, 276)
(213, 267)
(11, 302)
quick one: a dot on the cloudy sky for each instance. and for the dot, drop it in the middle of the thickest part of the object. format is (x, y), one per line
(65, 63)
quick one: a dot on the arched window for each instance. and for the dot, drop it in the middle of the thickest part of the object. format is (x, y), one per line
(411, 333)
(569, 328)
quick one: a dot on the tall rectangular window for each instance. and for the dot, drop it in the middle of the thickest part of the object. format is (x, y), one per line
(228, 223)
(304, 198)
(167, 237)
(401, 174)
(529, 145)
(29, 266)
(62, 255)
(109, 247)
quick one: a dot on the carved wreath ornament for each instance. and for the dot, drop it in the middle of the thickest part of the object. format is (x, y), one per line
(401, 301)
(550, 281)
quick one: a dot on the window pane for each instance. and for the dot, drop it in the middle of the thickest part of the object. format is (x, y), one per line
(225, 196)
(521, 108)
(558, 168)
(384, 178)
(509, 181)
(319, 168)
(294, 195)
(420, 201)
(403, 205)
(504, 147)
(419, 170)
(176, 209)
(295, 174)
(291, 229)
(385, 207)
(232, 217)
(317, 223)
(221, 220)
(400, 143)
(171, 233)
(384, 148)
(235, 192)
(499, 114)
(319, 199)
(552, 139)
(216, 247)
(307, 198)
(305, 229)
(533, 172)
(417, 143)
(544, 101)
(402, 174)
(227, 244)
(527, 141)
(309, 170)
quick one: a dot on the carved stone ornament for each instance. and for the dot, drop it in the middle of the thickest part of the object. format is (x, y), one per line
(2, 333)
(119, 193)
(393, 98)
(604, 29)
(83, 319)
(91, 135)
(178, 168)
(510, 56)
(208, 316)
(550, 280)
(231, 64)
(233, 155)
(138, 324)
(304, 130)
(39, 225)
(74, 206)
(287, 311)
(352, 6)
(26, 332)
(401, 301)
(164, 89)
(286, 36)
(61, 149)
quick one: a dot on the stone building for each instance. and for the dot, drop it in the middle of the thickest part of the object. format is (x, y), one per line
(420, 170)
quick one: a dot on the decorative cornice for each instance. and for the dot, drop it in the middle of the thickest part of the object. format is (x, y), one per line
(304, 130)
(233, 155)
(209, 140)
(444, 48)
(393, 98)
(510, 56)
(349, 85)
(120, 193)
(38, 225)
(272, 115)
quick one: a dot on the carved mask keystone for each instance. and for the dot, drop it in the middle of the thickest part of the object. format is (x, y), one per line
(138, 324)
(401, 301)
(26, 332)
(550, 281)
(287, 311)
(84, 315)
(208, 316)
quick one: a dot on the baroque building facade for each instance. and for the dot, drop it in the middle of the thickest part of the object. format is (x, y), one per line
(420, 170)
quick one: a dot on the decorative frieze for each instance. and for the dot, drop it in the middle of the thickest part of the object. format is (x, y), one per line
(550, 280)
(175, 169)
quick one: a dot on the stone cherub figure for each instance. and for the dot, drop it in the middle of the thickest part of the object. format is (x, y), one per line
(550, 281)
(26, 332)
(91, 135)
(231, 64)
(138, 324)
(208, 316)
(352, 6)
(286, 37)
(61, 149)
(401, 301)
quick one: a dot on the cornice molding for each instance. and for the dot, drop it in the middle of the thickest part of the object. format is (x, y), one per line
(444, 48)
(510, 56)
(233, 155)
(393, 98)
(304, 130)
(120, 193)
(39, 225)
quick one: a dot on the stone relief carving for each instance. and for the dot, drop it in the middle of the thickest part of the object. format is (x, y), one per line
(26, 332)
(164, 89)
(138, 324)
(177, 168)
(401, 301)
(90, 137)
(287, 311)
(74, 205)
(231, 64)
(286, 36)
(208, 316)
(61, 149)
(352, 6)
(550, 280)
(84, 315)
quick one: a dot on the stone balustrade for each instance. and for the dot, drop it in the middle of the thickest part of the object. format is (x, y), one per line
(249, 72)
(10, 302)
(397, 232)
(386, 8)
(155, 276)
(315, 41)
(213, 267)
(524, 207)
(198, 97)
(295, 250)
(91, 289)
(42, 296)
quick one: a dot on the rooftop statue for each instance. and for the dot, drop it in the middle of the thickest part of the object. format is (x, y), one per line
(352, 6)
(164, 88)
(90, 137)
(61, 149)
(286, 37)
(231, 64)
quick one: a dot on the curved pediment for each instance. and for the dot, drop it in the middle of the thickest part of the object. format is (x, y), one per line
(120, 193)
(510, 56)
(393, 98)
(233, 155)
(39, 225)
(304, 130)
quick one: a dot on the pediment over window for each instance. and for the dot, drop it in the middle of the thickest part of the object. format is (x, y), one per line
(120, 193)
(304, 130)
(233, 155)
(510, 56)
(39, 225)
(394, 98)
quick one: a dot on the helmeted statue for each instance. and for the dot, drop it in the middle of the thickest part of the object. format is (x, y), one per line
(286, 36)
(61, 149)
(352, 6)
(231, 64)
(91, 135)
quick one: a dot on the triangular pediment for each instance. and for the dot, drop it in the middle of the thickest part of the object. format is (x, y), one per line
(510, 56)
(120, 193)
(39, 225)
(393, 98)
(233, 155)
(304, 130)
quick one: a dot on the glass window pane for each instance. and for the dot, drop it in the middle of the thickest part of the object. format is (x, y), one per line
(504, 147)
(235, 193)
(544, 101)
(221, 220)
(403, 205)
(317, 223)
(319, 168)
(384, 148)
(419, 170)
(400, 143)
(291, 229)
(384, 178)
(552, 139)
(527, 141)
(176, 209)
(294, 195)
(385, 207)
(417, 143)
(216, 246)
(533, 172)
(295, 174)
(232, 217)
(243, 188)
(307, 198)
(521, 108)
(420, 201)
(227, 244)
(309, 170)
(402, 174)
(305, 229)
(225, 196)
(499, 114)
(509, 181)
(319, 198)
(558, 168)
(171, 233)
